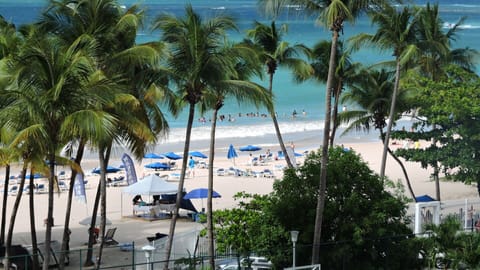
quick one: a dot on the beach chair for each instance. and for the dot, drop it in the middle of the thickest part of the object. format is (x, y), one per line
(220, 172)
(108, 239)
(268, 173)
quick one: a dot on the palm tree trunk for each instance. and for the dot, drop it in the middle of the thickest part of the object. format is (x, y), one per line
(338, 91)
(103, 158)
(277, 128)
(391, 117)
(66, 229)
(211, 246)
(4, 205)
(323, 166)
(16, 204)
(48, 230)
(437, 182)
(33, 230)
(91, 229)
(173, 222)
(407, 179)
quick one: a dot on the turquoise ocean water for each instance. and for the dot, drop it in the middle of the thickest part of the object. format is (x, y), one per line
(308, 97)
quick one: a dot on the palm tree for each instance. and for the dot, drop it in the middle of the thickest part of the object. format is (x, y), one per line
(134, 69)
(344, 74)
(277, 53)
(395, 32)
(371, 91)
(195, 66)
(332, 14)
(55, 75)
(7, 156)
(436, 53)
(240, 64)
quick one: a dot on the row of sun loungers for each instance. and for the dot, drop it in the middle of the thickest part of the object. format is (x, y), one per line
(238, 172)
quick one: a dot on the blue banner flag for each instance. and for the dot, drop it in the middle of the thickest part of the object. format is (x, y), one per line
(79, 188)
(129, 169)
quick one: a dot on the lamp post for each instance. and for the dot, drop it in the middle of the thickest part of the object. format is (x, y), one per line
(148, 254)
(294, 236)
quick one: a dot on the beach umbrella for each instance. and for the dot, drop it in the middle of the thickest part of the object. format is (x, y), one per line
(232, 153)
(110, 169)
(158, 166)
(200, 193)
(35, 176)
(250, 148)
(153, 155)
(86, 221)
(197, 154)
(172, 155)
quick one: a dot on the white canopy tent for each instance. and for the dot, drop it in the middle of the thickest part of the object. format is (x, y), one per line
(150, 185)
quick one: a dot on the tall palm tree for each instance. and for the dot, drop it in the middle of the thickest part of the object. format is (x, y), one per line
(7, 156)
(395, 32)
(55, 75)
(436, 53)
(240, 64)
(332, 14)
(276, 53)
(195, 66)
(371, 92)
(134, 69)
(344, 74)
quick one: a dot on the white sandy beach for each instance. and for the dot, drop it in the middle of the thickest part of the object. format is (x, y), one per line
(136, 230)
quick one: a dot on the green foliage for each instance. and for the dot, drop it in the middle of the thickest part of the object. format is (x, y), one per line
(447, 245)
(449, 110)
(364, 225)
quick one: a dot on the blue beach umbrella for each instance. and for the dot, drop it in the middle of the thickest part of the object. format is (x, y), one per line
(200, 193)
(158, 166)
(110, 169)
(249, 148)
(232, 153)
(197, 154)
(172, 155)
(153, 155)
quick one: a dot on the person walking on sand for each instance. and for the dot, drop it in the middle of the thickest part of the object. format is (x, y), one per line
(191, 166)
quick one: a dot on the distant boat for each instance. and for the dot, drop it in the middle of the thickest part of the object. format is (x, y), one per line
(219, 8)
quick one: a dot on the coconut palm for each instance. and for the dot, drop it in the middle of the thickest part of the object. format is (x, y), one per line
(436, 53)
(395, 32)
(240, 64)
(195, 66)
(332, 14)
(344, 73)
(55, 75)
(435, 45)
(7, 156)
(134, 69)
(371, 91)
(276, 53)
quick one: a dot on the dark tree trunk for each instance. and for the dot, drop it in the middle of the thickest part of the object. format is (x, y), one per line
(338, 91)
(33, 230)
(323, 166)
(91, 235)
(173, 222)
(277, 128)
(66, 229)
(103, 158)
(16, 204)
(210, 234)
(48, 230)
(391, 117)
(4, 205)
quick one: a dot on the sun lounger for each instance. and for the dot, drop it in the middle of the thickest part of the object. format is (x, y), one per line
(108, 239)
(220, 172)
(268, 173)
